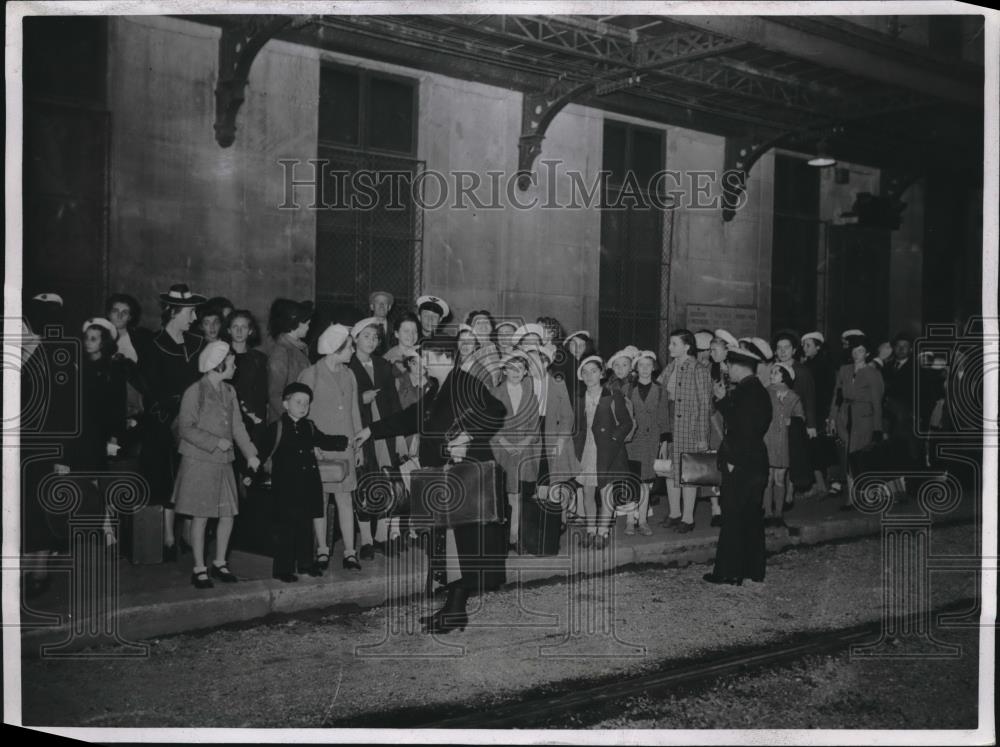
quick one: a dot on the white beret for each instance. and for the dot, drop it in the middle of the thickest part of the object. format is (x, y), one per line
(703, 340)
(727, 337)
(851, 333)
(332, 338)
(589, 359)
(788, 367)
(646, 354)
(371, 321)
(763, 346)
(528, 329)
(48, 298)
(578, 333)
(817, 336)
(621, 354)
(213, 354)
(98, 321)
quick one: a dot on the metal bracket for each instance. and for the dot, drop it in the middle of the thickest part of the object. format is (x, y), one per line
(741, 154)
(537, 112)
(238, 47)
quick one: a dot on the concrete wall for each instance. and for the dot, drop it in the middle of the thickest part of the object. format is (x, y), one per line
(184, 209)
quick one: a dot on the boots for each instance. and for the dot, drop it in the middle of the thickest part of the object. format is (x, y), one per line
(453, 615)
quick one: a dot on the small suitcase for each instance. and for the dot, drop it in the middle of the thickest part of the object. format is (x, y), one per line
(142, 534)
(540, 525)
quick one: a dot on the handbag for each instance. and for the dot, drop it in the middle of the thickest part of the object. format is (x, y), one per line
(700, 468)
(456, 494)
(333, 468)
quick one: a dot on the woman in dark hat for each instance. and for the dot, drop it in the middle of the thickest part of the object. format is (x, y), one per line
(169, 368)
(289, 356)
(856, 408)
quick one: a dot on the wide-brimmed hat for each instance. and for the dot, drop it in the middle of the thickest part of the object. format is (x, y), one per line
(213, 354)
(817, 336)
(99, 321)
(180, 295)
(763, 347)
(433, 303)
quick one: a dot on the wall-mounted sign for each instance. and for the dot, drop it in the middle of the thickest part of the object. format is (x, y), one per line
(740, 320)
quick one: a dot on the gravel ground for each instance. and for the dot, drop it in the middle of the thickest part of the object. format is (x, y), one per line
(821, 692)
(310, 673)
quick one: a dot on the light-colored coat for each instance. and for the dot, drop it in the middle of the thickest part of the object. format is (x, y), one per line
(862, 400)
(560, 419)
(692, 406)
(519, 429)
(286, 359)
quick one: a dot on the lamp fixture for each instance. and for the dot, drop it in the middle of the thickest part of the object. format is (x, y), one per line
(822, 157)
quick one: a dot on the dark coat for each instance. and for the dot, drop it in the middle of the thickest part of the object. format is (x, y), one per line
(612, 423)
(387, 401)
(804, 385)
(823, 374)
(746, 412)
(295, 479)
(461, 404)
(102, 414)
(168, 369)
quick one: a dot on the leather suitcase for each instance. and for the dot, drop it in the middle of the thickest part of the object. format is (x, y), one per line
(142, 535)
(539, 531)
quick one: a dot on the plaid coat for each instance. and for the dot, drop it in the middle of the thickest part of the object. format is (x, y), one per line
(692, 406)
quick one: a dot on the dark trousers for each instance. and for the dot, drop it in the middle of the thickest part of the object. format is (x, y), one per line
(741, 551)
(293, 542)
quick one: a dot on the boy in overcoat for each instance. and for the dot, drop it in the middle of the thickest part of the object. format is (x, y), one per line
(295, 481)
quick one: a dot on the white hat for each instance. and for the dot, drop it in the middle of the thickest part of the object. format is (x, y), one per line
(788, 367)
(528, 329)
(589, 359)
(763, 346)
(213, 354)
(727, 337)
(358, 328)
(703, 340)
(578, 333)
(741, 355)
(817, 336)
(465, 328)
(646, 354)
(332, 338)
(631, 350)
(48, 298)
(506, 323)
(851, 333)
(98, 321)
(434, 301)
(621, 354)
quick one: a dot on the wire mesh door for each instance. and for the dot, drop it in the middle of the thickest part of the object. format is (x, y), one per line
(369, 234)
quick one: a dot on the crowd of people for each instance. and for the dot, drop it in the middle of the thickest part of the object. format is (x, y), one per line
(212, 405)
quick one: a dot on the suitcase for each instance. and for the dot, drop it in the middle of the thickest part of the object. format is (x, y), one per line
(142, 535)
(540, 527)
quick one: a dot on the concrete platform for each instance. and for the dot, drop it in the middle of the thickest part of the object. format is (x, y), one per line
(159, 600)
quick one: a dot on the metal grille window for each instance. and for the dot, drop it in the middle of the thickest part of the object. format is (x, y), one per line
(369, 234)
(631, 241)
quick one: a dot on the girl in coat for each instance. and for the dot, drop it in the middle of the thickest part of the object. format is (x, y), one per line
(785, 405)
(289, 356)
(603, 423)
(856, 409)
(377, 398)
(516, 444)
(336, 412)
(210, 422)
(652, 417)
(689, 388)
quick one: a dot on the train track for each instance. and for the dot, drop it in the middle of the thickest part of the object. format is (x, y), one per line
(540, 710)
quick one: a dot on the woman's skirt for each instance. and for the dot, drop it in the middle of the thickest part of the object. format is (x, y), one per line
(205, 489)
